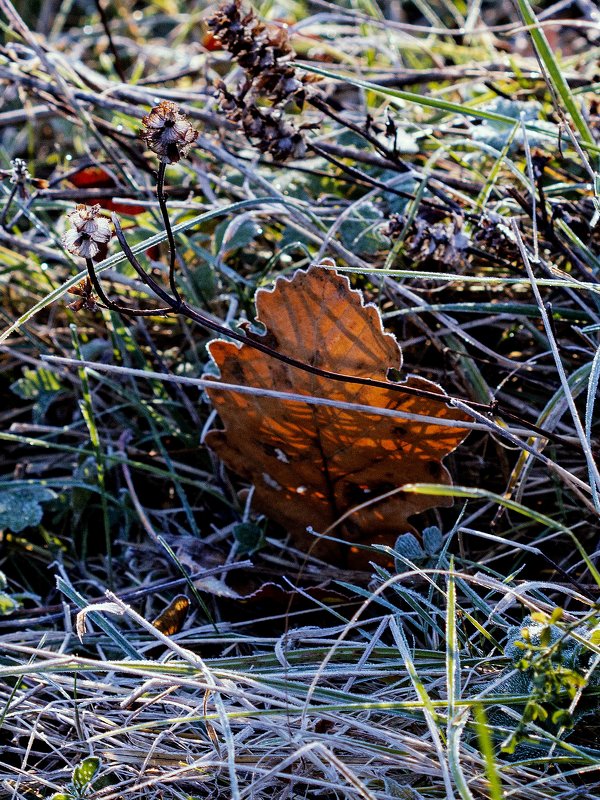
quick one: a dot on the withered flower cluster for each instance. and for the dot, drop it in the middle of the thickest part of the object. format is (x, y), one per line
(90, 234)
(168, 132)
(439, 243)
(19, 172)
(493, 236)
(86, 298)
(271, 84)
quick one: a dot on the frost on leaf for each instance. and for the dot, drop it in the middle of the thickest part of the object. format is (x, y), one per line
(312, 464)
(21, 507)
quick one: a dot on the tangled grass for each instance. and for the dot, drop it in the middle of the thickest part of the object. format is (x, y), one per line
(446, 156)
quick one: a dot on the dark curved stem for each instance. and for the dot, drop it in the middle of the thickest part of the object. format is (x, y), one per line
(131, 257)
(322, 106)
(400, 164)
(162, 204)
(356, 173)
(112, 306)
(104, 20)
(178, 306)
(206, 322)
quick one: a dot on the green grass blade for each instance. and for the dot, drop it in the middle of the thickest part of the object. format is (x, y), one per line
(554, 71)
(87, 412)
(108, 628)
(432, 718)
(437, 489)
(456, 720)
(446, 106)
(589, 409)
(486, 747)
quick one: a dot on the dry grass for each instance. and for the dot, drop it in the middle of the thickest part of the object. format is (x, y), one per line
(451, 168)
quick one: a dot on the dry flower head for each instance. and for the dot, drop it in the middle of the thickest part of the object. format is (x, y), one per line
(19, 171)
(90, 234)
(168, 132)
(86, 298)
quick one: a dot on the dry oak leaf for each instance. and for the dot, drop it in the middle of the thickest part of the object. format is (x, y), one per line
(311, 464)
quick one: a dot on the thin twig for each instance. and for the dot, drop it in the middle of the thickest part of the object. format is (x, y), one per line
(181, 307)
(400, 164)
(117, 59)
(178, 306)
(259, 391)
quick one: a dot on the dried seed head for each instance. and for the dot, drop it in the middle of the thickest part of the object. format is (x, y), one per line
(427, 240)
(19, 172)
(86, 298)
(90, 234)
(168, 132)
(271, 84)
(256, 46)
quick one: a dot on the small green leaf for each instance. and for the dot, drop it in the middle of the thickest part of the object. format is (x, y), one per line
(534, 711)
(230, 236)
(20, 506)
(563, 718)
(545, 637)
(40, 385)
(556, 615)
(408, 547)
(539, 617)
(432, 540)
(62, 796)
(509, 745)
(34, 382)
(84, 773)
(7, 604)
(249, 538)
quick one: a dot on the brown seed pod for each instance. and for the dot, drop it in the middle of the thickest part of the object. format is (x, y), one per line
(168, 132)
(90, 234)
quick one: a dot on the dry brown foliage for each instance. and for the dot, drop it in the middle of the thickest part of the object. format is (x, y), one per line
(311, 464)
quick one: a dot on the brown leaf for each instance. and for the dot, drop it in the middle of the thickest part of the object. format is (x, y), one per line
(171, 619)
(311, 464)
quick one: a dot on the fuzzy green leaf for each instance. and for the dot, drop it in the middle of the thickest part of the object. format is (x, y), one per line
(84, 773)
(20, 507)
